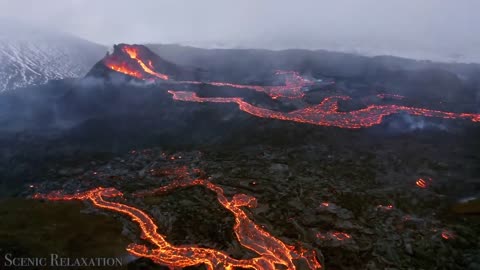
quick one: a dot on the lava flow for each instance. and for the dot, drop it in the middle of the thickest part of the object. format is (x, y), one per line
(293, 88)
(326, 113)
(136, 66)
(114, 63)
(272, 252)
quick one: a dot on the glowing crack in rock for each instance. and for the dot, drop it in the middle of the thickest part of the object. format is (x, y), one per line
(338, 236)
(272, 252)
(326, 113)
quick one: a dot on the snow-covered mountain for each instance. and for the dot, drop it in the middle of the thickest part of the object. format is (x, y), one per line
(31, 56)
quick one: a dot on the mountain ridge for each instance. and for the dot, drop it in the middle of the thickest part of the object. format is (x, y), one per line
(33, 56)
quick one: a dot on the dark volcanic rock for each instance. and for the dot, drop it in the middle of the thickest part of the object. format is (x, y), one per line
(356, 222)
(119, 56)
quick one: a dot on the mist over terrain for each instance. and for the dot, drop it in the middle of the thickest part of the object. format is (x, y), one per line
(435, 30)
(31, 55)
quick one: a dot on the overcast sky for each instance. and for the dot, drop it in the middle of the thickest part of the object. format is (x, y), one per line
(452, 25)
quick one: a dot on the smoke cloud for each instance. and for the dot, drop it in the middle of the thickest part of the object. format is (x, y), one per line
(431, 29)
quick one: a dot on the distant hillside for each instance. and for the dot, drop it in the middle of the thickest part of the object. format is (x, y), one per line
(30, 56)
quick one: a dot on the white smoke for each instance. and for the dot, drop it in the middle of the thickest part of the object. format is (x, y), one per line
(409, 123)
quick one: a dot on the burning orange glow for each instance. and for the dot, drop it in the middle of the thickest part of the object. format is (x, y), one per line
(293, 88)
(447, 235)
(294, 83)
(423, 182)
(326, 113)
(123, 67)
(339, 236)
(272, 252)
(133, 53)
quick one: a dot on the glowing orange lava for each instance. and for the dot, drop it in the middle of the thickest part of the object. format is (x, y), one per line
(133, 53)
(326, 113)
(272, 252)
(423, 182)
(293, 88)
(339, 236)
(125, 68)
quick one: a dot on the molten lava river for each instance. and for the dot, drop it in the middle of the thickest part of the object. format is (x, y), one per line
(324, 114)
(272, 252)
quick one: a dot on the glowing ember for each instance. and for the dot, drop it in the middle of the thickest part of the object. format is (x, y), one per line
(326, 113)
(325, 204)
(339, 236)
(385, 207)
(423, 182)
(272, 252)
(447, 235)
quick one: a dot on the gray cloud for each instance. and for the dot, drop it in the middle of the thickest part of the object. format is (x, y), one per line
(417, 27)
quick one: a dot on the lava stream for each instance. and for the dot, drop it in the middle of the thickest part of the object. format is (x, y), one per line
(123, 67)
(326, 113)
(272, 252)
(293, 88)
